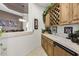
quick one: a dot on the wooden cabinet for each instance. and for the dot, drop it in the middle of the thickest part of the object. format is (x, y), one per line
(53, 48)
(75, 13)
(47, 44)
(47, 20)
(64, 13)
(50, 50)
(54, 13)
(69, 13)
(60, 52)
(44, 43)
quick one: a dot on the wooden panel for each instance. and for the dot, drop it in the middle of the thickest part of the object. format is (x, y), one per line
(44, 43)
(50, 49)
(64, 17)
(47, 22)
(54, 14)
(60, 52)
(75, 11)
(47, 44)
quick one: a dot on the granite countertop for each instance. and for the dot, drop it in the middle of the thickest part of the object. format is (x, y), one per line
(65, 42)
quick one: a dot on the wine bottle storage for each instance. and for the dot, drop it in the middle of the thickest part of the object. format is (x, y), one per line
(54, 14)
(54, 11)
(53, 20)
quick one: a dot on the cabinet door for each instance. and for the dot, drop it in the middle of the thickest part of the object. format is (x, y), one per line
(74, 13)
(60, 52)
(47, 44)
(44, 43)
(75, 18)
(64, 13)
(50, 48)
(78, 12)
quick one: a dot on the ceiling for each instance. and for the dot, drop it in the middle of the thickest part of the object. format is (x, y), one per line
(19, 7)
(44, 5)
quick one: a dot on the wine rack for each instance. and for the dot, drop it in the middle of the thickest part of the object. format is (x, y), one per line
(54, 14)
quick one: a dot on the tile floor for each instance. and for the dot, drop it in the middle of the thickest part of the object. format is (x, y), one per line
(37, 52)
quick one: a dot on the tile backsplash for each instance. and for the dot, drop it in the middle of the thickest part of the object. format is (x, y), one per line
(60, 29)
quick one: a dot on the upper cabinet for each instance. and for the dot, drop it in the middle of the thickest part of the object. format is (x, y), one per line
(69, 13)
(64, 13)
(54, 13)
(75, 13)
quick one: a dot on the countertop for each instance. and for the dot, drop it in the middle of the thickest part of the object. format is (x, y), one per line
(65, 42)
(14, 34)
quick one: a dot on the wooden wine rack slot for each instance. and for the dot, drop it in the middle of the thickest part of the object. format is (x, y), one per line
(51, 23)
(57, 13)
(57, 9)
(54, 14)
(57, 18)
(53, 19)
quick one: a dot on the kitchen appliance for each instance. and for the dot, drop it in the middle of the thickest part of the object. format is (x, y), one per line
(74, 37)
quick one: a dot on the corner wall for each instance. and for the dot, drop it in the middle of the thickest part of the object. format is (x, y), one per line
(21, 46)
(36, 11)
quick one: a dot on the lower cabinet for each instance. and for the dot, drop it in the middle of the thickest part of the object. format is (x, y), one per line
(50, 48)
(47, 45)
(55, 49)
(60, 52)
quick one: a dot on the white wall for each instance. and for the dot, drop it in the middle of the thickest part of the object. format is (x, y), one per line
(25, 17)
(23, 45)
(36, 11)
(60, 29)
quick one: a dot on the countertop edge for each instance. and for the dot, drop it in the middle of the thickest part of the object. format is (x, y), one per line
(15, 34)
(73, 47)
